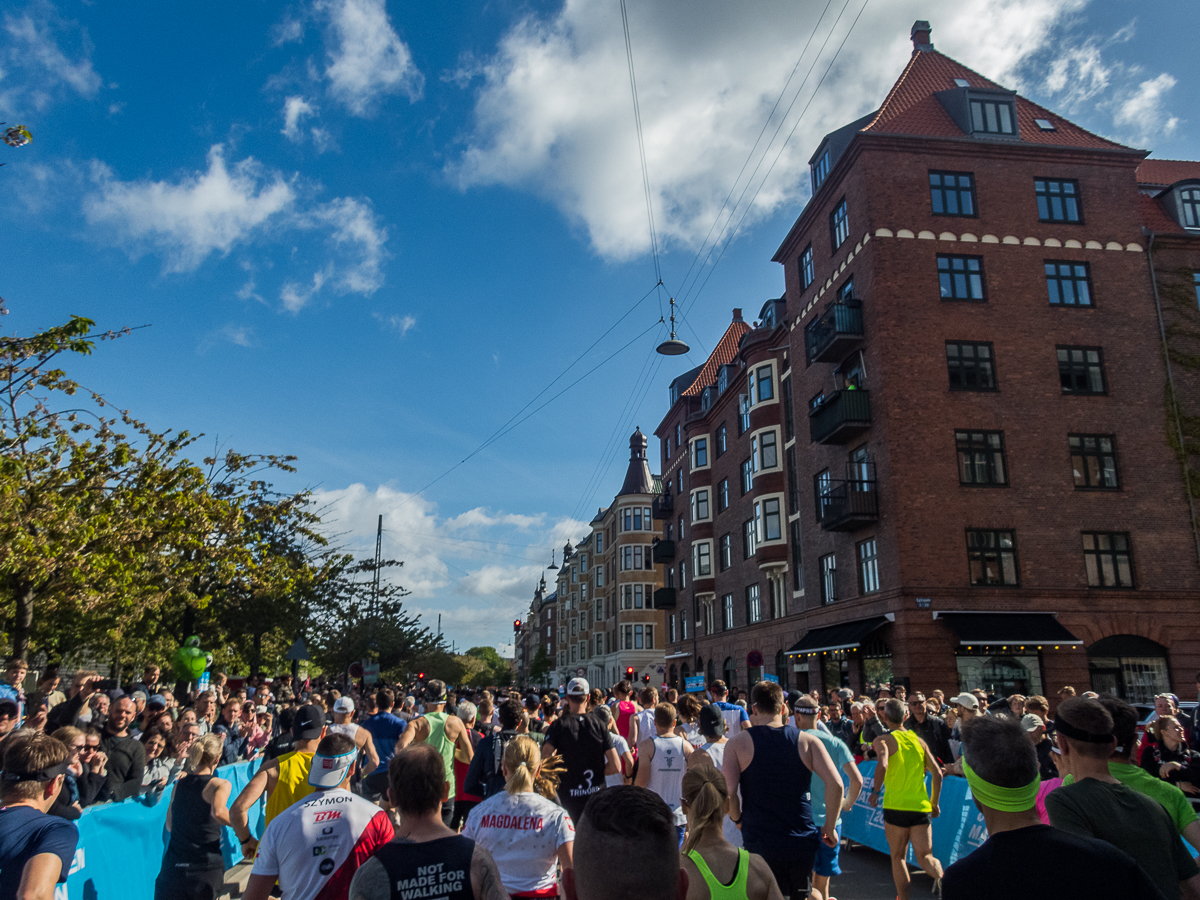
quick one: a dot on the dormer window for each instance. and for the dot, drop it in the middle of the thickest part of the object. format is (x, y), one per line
(992, 117)
(722, 379)
(1189, 207)
(820, 170)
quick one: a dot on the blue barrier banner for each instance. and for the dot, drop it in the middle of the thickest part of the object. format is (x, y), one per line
(121, 845)
(956, 832)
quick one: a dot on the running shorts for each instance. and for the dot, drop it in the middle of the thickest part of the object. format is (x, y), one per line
(905, 818)
(826, 863)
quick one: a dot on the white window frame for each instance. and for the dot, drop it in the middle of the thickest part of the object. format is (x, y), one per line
(756, 447)
(760, 514)
(727, 611)
(708, 448)
(752, 379)
(702, 557)
(753, 604)
(695, 505)
(671, 628)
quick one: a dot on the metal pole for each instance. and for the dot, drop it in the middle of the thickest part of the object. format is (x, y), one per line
(378, 560)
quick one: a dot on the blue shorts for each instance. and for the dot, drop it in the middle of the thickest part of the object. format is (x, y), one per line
(826, 862)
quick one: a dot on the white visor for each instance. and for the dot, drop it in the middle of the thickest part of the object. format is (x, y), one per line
(330, 771)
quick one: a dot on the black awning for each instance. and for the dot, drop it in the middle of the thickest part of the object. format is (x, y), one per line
(837, 637)
(989, 629)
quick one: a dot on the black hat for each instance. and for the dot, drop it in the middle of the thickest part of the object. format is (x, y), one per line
(712, 723)
(309, 723)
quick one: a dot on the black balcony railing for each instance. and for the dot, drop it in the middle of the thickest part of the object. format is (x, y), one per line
(835, 333)
(664, 598)
(840, 417)
(663, 505)
(849, 505)
(663, 551)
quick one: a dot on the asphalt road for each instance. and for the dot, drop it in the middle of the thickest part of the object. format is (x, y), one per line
(867, 875)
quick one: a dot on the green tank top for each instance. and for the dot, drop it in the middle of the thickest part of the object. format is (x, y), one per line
(444, 745)
(904, 782)
(736, 889)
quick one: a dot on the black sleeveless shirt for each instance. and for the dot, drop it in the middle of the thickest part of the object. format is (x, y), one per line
(195, 834)
(432, 870)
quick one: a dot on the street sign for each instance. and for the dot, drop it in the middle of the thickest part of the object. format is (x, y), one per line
(694, 684)
(298, 650)
(771, 678)
(754, 659)
(371, 672)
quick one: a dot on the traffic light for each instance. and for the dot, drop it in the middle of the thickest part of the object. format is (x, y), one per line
(629, 672)
(421, 676)
(517, 626)
(646, 678)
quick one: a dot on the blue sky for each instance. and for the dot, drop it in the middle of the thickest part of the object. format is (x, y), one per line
(369, 233)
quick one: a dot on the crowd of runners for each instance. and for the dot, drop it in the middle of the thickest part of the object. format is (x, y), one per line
(425, 793)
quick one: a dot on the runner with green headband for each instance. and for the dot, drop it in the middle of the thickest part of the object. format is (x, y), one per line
(1001, 767)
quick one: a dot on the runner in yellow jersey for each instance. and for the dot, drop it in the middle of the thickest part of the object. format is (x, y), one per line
(445, 733)
(285, 780)
(907, 808)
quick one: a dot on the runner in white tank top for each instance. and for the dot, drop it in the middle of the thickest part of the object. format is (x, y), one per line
(712, 727)
(343, 712)
(662, 760)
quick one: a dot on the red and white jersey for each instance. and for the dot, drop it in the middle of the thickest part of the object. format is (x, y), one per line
(315, 846)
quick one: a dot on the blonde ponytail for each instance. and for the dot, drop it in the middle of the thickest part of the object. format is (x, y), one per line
(705, 793)
(522, 758)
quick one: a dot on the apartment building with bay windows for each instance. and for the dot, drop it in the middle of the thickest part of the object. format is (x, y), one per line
(607, 586)
(727, 443)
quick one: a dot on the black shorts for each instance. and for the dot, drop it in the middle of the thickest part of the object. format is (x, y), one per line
(793, 873)
(905, 818)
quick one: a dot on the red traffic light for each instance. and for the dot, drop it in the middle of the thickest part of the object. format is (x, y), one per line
(421, 675)
(629, 672)
(516, 626)
(646, 678)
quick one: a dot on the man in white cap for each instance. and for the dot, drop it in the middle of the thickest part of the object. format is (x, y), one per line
(314, 847)
(586, 747)
(965, 708)
(343, 712)
(1035, 729)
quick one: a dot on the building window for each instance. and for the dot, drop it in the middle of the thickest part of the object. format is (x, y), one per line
(1057, 201)
(1068, 284)
(700, 506)
(981, 457)
(753, 605)
(747, 476)
(681, 528)
(723, 495)
(702, 559)
(1106, 557)
(793, 486)
(726, 549)
(1189, 203)
(839, 224)
(820, 171)
(868, 567)
(727, 611)
(708, 618)
(765, 384)
(1094, 461)
(992, 556)
(768, 521)
(749, 545)
(599, 542)
(807, 270)
(822, 485)
(797, 557)
(952, 193)
(1081, 370)
(743, 413)
(700, 453)
(599, 576)
(768, 454)
(679, 481)
(960, 277)
(722, 440)
(683, 623)
(971, 366)
(682, 575)
(992, 117)
(828, 578)
(1196, 282)
(671, 629)
(789, 419)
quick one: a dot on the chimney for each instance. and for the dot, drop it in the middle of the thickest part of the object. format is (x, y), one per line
(737, 314)
(920, 36)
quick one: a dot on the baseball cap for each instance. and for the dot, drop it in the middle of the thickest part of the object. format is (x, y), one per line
(435, 691)
(308, 723)
(343, 705)
(711, 721)
(330, 771)
(157, 700)
(970, 701)
(1031, 721)
(578, 687)
(846, 694)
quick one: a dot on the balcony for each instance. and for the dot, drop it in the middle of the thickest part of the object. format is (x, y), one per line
(664, 598)
(663, 551)
(840, 417)
(849, 505)
(835, 333)
(663, 505)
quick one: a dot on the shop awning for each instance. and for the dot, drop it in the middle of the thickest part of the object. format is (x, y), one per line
(684, 655)
(838, 637)
(992, 629)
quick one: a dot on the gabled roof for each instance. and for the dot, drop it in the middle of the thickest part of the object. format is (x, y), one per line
(1167, 171)
(723, 354)
(912, 107)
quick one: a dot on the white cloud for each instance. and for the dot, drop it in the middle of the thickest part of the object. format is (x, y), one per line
(366, 60)
(295, 297)
(400, 324)
(1142, 111)
(554, 113)
(188, 220)
(295, 109)
(31, 49)
(287, 31)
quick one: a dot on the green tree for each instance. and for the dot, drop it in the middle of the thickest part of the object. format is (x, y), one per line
(496, 671)
(539, 669)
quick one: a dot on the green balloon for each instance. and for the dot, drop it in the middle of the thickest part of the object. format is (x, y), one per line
(189, 661)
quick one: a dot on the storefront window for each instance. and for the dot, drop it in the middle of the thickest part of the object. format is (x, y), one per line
(1132, 667)
(1000, 674)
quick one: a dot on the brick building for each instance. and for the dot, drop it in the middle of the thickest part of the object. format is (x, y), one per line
(984, 490)
(536, 633)
(607, 620)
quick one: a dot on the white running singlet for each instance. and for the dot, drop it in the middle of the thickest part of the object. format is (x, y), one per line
(666, 774)
(716, 752)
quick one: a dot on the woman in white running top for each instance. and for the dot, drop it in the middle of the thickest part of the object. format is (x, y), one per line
(712, 753)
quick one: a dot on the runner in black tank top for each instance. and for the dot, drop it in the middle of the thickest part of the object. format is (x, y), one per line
(194, 868)
(438, 869)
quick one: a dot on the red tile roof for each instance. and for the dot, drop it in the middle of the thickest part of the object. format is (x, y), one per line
(912, 108)
(1155, 217)
(1167, 171)
(722, 355)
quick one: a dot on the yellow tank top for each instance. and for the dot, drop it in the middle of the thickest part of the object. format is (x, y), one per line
(904, 782)
(292, 784)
